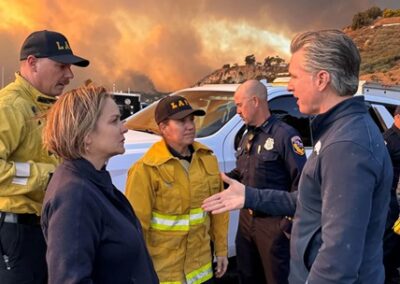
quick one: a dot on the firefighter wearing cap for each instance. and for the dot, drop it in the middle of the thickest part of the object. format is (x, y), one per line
(167, 187)
(270, 156)
(25, 167)
(391, 239)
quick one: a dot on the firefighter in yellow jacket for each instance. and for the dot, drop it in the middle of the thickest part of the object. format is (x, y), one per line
(25, 167)
(167, 187)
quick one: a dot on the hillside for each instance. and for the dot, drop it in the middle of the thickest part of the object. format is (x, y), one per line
(379, 45)
(269, 70)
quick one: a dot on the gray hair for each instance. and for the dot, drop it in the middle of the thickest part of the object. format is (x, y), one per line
(334, 52)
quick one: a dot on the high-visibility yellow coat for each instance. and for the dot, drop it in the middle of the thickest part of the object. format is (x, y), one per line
(167, 199)
(24, 164)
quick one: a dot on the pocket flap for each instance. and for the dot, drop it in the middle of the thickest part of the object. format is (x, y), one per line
(210, 164)
(166, 172)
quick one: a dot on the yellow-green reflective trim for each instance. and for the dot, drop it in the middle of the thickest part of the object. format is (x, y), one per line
(170, 222)
(165, 222)
(200, 275)
(197, 216)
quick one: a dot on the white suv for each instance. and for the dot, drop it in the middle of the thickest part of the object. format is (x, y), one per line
(221, 128)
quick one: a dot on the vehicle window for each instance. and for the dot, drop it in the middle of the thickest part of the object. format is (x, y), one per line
(219, 108)
(286, 109)
(380, 114)
(391, 108)
(127, 104)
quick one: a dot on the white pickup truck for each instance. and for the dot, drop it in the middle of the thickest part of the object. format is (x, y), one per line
(221, 128)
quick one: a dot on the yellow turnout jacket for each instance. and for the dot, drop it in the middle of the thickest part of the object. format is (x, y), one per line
(24, 164)
(167, 199)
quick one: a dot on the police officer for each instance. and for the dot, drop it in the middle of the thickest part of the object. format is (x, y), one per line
(391, 240)
(271, 155)
(25, 167)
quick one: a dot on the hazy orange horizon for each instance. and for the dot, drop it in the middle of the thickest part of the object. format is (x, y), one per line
(170, 44)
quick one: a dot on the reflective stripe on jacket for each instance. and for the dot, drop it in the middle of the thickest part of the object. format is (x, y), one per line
(167, 199)
(24, 164)
(177, 222)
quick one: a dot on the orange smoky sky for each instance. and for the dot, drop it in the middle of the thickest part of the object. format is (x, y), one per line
(165, 45)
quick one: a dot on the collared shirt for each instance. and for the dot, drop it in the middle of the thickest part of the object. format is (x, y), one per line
(270, 156)
(179, 156)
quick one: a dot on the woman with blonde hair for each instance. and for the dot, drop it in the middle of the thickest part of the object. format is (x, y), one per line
(92, 233)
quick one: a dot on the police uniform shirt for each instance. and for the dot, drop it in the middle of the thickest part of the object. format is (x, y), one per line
(270, 156)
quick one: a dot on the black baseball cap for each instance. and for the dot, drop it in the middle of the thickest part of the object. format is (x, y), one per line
(175, 107)
(52, 45)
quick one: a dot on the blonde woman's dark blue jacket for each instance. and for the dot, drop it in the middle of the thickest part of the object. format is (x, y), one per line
(342, 200)
(92, 233)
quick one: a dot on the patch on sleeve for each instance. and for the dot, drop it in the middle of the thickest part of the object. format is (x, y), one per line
(298, 146)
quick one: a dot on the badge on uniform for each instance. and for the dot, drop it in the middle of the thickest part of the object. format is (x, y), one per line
(269, 144)
(298, 146)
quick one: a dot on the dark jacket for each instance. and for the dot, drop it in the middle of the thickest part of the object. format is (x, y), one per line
(342, 201)
(392, 139)
(92, 233)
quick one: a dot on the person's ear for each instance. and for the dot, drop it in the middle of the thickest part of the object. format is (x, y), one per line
(322, 79)
(87, 142)
(256, 100)
(162, 125)
(32, 62)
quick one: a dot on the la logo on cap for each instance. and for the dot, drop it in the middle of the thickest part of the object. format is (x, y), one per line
(179, 103)
(61, 46)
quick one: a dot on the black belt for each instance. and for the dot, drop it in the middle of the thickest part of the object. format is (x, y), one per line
(25, 219)
(258, 214)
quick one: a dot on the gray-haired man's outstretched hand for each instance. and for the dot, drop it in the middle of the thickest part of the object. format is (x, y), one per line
(229, 199)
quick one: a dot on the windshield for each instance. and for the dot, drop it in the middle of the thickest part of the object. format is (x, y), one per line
(219, 108)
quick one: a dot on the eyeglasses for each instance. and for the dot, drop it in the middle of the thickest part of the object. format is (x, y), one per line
(249, 142)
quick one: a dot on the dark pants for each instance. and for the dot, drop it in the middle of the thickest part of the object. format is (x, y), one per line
(391, 255)
(26, 248)
(262, 248)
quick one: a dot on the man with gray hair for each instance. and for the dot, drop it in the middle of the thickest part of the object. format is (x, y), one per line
(344, 189)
